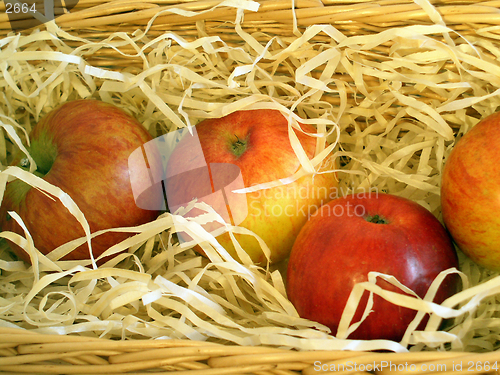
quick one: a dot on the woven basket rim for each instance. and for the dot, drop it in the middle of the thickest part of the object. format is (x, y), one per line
(30, 351)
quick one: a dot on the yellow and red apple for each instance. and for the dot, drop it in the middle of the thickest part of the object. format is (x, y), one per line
(241, 150)
(470, 193)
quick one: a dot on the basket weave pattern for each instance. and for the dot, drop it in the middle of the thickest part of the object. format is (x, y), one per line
(110, 50)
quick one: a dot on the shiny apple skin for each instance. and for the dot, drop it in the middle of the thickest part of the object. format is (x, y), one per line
(93, 141)
(470, 193)
(268, 157)
(335, 250)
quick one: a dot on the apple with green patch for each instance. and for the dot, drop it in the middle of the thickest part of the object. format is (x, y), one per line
(82, 147)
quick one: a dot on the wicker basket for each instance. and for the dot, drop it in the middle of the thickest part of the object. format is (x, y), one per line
(400, 80)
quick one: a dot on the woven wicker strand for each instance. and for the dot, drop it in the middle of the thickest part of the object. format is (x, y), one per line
(384, 13)
(50, 354)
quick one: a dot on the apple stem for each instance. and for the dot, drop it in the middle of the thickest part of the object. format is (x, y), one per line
(376, 219)
(239, 146)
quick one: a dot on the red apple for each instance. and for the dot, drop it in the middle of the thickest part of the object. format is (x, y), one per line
(354, 235)
(82, 147)
(240, 150)
(470, 193)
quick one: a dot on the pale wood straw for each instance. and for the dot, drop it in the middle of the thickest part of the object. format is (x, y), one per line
(24, 351)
